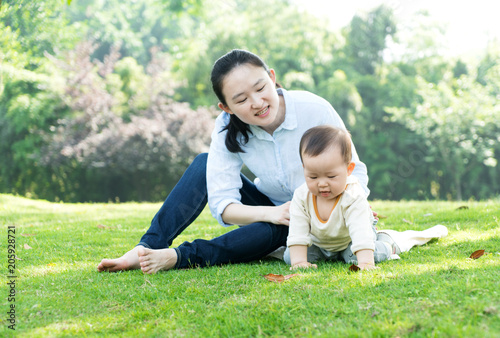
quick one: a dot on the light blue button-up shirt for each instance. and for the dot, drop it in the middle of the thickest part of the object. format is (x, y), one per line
(273, 159)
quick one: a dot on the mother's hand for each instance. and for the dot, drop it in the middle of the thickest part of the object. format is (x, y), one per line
(280, 214)
(246, 214)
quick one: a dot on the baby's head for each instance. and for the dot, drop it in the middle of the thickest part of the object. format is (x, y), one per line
(318, 139)
(326, 155)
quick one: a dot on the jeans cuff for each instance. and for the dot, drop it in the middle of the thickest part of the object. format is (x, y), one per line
(144, 245)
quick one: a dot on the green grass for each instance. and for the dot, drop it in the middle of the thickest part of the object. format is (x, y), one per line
(434, 290)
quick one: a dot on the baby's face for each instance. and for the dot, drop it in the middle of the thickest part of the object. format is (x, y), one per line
(326, 174)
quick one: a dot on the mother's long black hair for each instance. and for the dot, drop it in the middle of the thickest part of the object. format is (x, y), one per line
(222, 67)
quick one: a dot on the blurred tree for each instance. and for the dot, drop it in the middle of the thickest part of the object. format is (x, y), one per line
(39, 26)
(148, 150)
(28, 92)
(136, 26)
(490, 59)
(460, 122)
(460, 69)
(296, 44)
(97, 126)
(343, 94)
(367, 39)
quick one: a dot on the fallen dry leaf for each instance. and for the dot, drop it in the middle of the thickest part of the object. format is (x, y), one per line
(279, 278)
(27, 247)
(477, 254)
(28, 235)
(102, 226)
(291, 276)
(274, 278)
(462, 207)
(354, 268)
(381, 216)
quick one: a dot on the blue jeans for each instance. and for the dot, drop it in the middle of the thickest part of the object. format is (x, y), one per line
(183, 205)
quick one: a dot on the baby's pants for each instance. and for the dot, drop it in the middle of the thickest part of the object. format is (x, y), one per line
(382, 252)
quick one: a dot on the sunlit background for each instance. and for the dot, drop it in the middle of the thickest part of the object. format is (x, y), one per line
(111, 100)
(470, 25)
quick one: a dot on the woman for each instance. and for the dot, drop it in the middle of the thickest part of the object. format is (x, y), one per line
(261, 127)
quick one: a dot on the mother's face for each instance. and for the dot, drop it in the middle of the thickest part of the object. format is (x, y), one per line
(250, 94)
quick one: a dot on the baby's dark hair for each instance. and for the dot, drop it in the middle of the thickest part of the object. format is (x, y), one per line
(318, 139)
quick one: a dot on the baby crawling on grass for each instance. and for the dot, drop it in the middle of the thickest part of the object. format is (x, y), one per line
(330, 218)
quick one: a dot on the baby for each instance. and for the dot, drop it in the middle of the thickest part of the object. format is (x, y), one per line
(330, 218)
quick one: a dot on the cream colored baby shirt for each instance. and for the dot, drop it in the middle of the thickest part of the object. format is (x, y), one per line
(350, 220)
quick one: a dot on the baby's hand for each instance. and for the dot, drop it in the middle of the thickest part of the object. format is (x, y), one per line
(303, 265)
(367, 266)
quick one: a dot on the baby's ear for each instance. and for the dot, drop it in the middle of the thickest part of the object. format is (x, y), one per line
(350, 168)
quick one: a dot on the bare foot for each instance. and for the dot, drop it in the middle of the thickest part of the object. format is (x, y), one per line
(128, 261)
(152, 261)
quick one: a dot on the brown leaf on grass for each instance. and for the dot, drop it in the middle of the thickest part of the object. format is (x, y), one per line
(462, 207)
(274, 278)
(291, 276)
(354, 268)
(278, 278)
(476, 254)
(102, 226)
(27, 247)
(407, 221)
(381, 216)
(28, 235)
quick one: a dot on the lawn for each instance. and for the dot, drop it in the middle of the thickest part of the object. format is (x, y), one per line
(434, 290)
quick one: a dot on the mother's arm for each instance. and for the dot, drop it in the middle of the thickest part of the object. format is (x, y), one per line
(224, 184)
(246, 214)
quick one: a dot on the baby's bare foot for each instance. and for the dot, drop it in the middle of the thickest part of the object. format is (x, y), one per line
(152, 261)
(128, 261)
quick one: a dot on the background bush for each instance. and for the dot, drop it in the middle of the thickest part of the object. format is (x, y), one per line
(111, 100)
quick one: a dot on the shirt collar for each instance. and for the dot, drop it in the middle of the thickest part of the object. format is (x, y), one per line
(351, 179)
(290, 122)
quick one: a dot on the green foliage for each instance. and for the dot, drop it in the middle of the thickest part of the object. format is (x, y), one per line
(123, 127)
(153, 58)
(28, 105)
(434, 290)
(367, 39)
(137, 27)
(39, 27)
(296, 52)
(460, 122)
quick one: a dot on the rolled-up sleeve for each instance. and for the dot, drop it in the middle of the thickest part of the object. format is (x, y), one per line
(223, 173)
